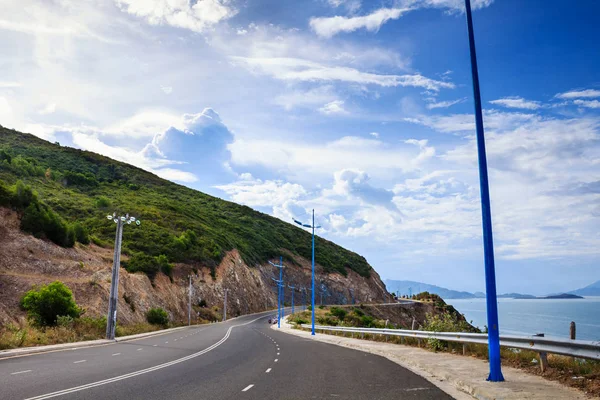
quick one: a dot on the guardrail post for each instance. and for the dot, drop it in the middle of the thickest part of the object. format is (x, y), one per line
(543, 361)
(572, 330)
(464, 349)
(543, 356)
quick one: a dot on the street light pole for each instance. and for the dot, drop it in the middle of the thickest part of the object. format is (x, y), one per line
(111, 318)
(488, 242)
(292, 287)
(225, 306)
(312, 299)
(280, 290)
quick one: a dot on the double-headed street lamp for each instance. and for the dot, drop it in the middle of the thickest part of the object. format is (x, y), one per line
(280, 289)
(111, 319)
(312, 300)
(279, 285)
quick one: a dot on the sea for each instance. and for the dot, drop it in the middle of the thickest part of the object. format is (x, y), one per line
(552, 317)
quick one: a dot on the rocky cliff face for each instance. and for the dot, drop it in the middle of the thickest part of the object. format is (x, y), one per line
(26, 261)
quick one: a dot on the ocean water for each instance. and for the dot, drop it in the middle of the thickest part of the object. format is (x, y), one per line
(551, 317)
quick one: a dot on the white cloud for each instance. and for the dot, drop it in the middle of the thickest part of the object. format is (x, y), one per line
(374, 134)
(443, 104)
(166, 89)
(306, 98)
(294, 69)
(258, 193)
(4, 85)
(587, 103)
(330, 26)
(517, 102)
(49, 109)
(351, 5)
(334, 107)
(196, 16)
(579, 94)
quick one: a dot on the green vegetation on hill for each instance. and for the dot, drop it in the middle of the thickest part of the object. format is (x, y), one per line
(78, 188)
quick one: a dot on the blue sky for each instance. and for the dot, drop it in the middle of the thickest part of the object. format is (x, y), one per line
(359, 109)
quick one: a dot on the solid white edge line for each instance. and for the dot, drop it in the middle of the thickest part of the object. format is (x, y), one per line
(140, 372)
(247, 388)
(20, 372)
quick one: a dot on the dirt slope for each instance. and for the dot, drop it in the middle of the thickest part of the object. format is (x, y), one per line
(26, 261)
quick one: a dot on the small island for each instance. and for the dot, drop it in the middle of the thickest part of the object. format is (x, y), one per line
(563, 296)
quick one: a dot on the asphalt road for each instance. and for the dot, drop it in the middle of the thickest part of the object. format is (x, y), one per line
(240, 359)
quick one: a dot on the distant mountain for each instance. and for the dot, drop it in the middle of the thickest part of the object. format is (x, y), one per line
(590, 290)
(405, 287)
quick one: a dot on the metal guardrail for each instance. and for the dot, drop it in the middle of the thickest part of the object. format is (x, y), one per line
(574, 348)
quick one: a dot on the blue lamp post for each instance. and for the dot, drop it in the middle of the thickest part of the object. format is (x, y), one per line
(312, 298)
(292, 287)
(488, 243)
(280, 290)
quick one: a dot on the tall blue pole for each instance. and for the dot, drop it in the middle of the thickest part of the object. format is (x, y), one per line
(280, 292)
(488, 243)
(312, 301)
(292, 299)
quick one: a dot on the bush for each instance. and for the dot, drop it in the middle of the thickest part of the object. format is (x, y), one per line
(46, 304)
(338, 312)
(81, 233)
(149, 265)
(157, 316)
(102, 202)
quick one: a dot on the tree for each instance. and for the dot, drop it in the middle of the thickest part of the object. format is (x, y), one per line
(50, 301)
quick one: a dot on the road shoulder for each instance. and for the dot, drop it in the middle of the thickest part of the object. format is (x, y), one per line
(459, 376)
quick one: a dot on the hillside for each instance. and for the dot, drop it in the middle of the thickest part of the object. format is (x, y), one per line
(83, 187)
(53, 206)
(405, 286)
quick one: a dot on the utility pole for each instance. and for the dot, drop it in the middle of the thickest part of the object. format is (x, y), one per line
(190, 302)
(280, 290)
(486, 216)
(225, 306)
(111, 319)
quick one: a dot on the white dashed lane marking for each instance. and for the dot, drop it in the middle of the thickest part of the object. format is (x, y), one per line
(116, 354)
(268, 370)
(247, 388)
(276, 359)
(80, 361)
(20, 372)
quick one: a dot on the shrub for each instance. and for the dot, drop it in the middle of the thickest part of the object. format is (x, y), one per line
(46, 304)
(338, 312)
(202, 303)
(157, 316)
(81, 233)
(102, 202)
(149, 265)
(41, 222)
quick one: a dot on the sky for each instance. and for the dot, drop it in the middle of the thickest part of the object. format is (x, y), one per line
(361, 110)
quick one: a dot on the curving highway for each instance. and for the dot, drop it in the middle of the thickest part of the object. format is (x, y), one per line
(239, 359)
